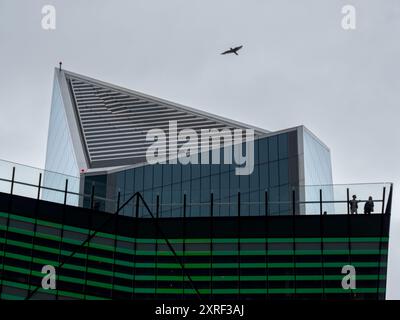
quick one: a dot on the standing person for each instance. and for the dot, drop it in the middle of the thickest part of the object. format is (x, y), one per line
(353, 205)
(369, 206)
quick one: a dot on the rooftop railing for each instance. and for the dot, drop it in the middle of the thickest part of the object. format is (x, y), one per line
(51, 186)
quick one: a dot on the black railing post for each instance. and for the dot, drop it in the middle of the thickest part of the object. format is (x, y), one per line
(158, 206)
(136, 231)
(12, 180)
(383, 200)
(157, 241)
(294, 240)
(211, 243)
(238, 246)
(266, 202)
(116, 228)
(92, 198)
(184, 245)
(118, 200)
(320, 201)
(293, 201)
(389, 200)
(137, 206)
(66, 191)
(348, 201)
(39, 185)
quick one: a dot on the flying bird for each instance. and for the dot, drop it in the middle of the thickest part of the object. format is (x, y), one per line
(233, 50)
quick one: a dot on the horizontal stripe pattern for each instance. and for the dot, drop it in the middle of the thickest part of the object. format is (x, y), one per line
(104, 270)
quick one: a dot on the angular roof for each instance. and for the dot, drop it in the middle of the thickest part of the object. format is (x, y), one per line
(113, 121)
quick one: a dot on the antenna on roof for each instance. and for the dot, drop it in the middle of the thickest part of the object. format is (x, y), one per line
(60, 63)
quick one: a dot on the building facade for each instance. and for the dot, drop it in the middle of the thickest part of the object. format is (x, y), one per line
(98, 255)
(102, 130)
(114, 226)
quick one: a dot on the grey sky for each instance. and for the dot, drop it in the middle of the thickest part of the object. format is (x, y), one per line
(298, 66)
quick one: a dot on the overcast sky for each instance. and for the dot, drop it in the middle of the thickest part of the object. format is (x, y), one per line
(298, 66)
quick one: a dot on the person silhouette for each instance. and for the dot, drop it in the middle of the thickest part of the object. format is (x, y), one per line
(369, 206)
(353, 205)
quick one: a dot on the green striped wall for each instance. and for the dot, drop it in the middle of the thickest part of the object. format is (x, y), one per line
(10, 261)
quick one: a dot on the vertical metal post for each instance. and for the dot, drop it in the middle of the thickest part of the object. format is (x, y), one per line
(293, 201)
(322, 230)
(92, 198)
(66, 191)
(266, 245)
(211, 243)
(157, 206)
(116, 228)
(348, 200)
(320, 201)
(137, 206)
(238, 247)
(294, 240)
(383, 200)
(184, 244)
(39, 185)
(380, 252)
(135, 234)
(157, 235)
(12, 180)
(118, 200)
(388, 209)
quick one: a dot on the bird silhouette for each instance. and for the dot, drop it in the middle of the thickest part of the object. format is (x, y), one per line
(233, 50)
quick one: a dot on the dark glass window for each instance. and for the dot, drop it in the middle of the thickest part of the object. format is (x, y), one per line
(195, 191)
(283, 146)
(273, 148)
(158, 182)
(166, 191)
(274, 173)
(283, 172)
(263, 150)
(285, 200)
(273, 202)
(264, 176)
(197, 181)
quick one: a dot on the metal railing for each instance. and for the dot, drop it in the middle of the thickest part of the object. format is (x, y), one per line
(41, 184)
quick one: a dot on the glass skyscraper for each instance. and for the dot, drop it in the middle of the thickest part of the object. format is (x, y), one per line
(98, 133)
